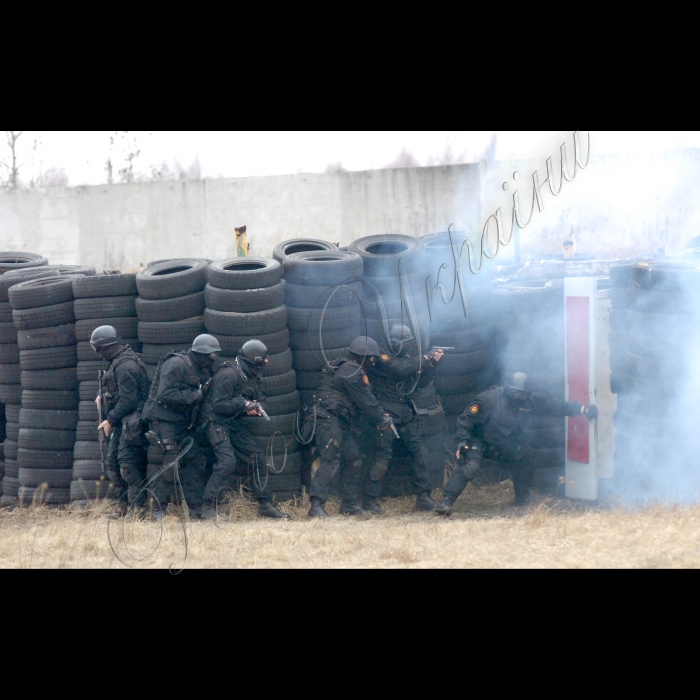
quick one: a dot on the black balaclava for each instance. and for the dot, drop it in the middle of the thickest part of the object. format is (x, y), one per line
(112, 351)
(202, 360)
(250, 368)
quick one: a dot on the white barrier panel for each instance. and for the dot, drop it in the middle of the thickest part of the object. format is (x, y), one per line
(581, 299)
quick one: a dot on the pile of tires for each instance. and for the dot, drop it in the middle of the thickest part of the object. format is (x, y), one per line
(530, 338)
(14, 268)
(43, 314)
(100, 300)
(323, 317)
(245, 300)
(656, 377)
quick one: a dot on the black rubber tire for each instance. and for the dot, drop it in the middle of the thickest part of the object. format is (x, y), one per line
(12, 260)
(88, 391)
(5, 312)
(43, 316)
(618, 320)
(44, 459)
(285, 483)
(86, 430)
(619, 298)
(455, 404)
(308, 361)
(44, 291)
(104, 286)
(619, 342)
(619, 364)
(88, 469)
(305, 297)
(684, 328)
(621, 275)
(259, 426)
(87, 371)
(9, 353)
(10, 488)
(244, 273)
(655, 302)
(65, 379)
(278, 363)
(164, 260)
(127, 327)
(278, 445)
(54, 400)
(454, 363)
(87, 450)
(87, 411)
(12, 413)
(303, 319)
(10, 374)
(528, 296)
(171, 331)
(46, 439)
(178, 309)
(10, 279)
(322, 269)
(473, 382)
(85, 490)
(244, 300)
(110, 307)
(381, 254)
(470, 340)
(12, 430)
(291, 465)
(176, 278)
(275, 343)
(48, 358)
(308, 381)
(50, 420)
(280, 384)
(668, 276)
(548, 437)
(151, 354)
(28, 496)
(301, 245)
(282, 404)
(51, 337)
(11, 448)
(389, 289)
(253, 324)
(87, 354)
(330, 339)
(10, 393)
(8, 333)
(59, 478)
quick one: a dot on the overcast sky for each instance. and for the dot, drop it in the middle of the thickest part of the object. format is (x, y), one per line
(247, 153)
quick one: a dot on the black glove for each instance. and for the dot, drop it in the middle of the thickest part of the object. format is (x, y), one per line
(590, 412)
(462, 447)
(386, 423)
(197, 395)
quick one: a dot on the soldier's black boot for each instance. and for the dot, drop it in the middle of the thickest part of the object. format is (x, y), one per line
(347, 508)
(371, 505)
(266, 509)
(208, 512)
(444, 506)
(317, 510)
(425, 503)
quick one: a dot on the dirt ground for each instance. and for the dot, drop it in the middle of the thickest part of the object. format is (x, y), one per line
(485, 531)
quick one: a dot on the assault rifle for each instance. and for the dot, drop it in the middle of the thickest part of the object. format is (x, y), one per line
(100, 410)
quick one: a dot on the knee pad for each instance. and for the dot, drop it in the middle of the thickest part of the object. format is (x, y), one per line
(378, 470)
(471, 468)
(357, 464)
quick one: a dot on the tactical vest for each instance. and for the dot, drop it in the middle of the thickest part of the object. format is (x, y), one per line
(192, 379)
(110, 386)
(506, 419)
(331, 392)
(247, 387)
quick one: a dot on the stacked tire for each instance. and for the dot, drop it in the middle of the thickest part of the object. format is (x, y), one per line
(14, 268)
(530, 338)
(657, 381)
(245, 300)
(100, 300)
(170, 307)
(42, 311)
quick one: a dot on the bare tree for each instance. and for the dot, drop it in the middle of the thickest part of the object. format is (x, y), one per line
(448, 157)
(335, 168)
(405, 159)
(11, 164)
(53, 177)
(163, 171)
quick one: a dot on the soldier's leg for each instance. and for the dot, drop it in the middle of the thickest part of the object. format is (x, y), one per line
(160, 490)
(523, 471)
(132, 467)
(328, 438)
(112, 464)
(382, 452)
(461, 476)
(411, 437)
(192, 470)
(221, 472)
(351, 467)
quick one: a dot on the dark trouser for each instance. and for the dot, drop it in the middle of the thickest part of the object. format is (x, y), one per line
(240, 442)
(517, 461)
(410, 435)
(191, 467)
(126, 468)
(337, 448)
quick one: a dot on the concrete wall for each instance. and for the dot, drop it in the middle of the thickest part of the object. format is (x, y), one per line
(126, 226)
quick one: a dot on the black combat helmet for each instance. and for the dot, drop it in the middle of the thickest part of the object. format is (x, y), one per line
(518, 386)
(206, 344)
(400, 334)
(363, 346)
(103, 337)
(254, 351)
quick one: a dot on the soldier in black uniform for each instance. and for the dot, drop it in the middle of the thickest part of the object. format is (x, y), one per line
(344, 390)
(394, 379)
(235, 387)
(181, 381)
(125, 389)
(495, 427)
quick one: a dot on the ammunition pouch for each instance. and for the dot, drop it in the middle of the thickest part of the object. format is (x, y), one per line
(216, 434)
(431, 411)
(133, 429)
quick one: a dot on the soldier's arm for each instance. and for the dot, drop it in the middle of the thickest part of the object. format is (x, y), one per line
(226, 400)
(546, 405)
(473, 415)
(360, 393)
(172, 390)
(398, 367)
(128, 387)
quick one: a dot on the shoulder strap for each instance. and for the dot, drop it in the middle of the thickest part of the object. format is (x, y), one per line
(153, 392)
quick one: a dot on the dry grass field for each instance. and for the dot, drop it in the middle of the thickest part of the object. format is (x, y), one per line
(484, 532)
